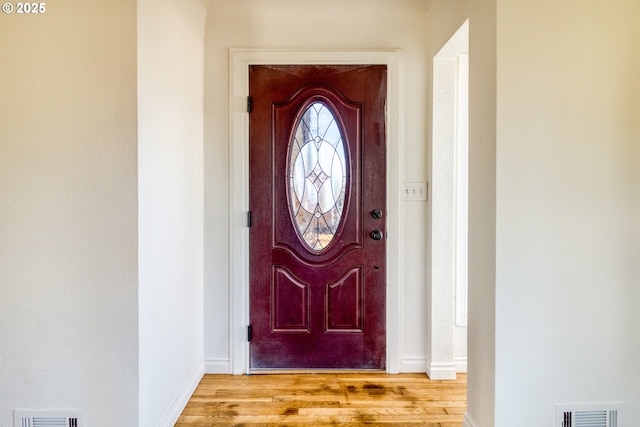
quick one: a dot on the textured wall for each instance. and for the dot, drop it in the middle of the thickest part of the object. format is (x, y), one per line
(170, 90)
(68, 233)
(567, 294)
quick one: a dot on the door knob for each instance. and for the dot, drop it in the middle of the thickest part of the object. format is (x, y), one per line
(376, 235)
(376, 213)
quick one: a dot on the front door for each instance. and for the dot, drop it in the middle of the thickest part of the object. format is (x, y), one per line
(317, 200)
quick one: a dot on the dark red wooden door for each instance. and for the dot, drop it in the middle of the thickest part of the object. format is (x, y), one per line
(317, 201)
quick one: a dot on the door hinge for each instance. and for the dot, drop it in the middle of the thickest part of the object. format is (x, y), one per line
(249, 331)
(249, 104)
(249, 222)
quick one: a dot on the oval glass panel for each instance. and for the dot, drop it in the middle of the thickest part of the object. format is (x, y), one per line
(317, 176)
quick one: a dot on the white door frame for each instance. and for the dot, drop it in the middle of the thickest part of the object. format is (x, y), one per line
(239, 62)
(449, 235)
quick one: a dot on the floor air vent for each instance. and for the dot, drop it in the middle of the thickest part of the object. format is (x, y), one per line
(588, 415)
(25, 418)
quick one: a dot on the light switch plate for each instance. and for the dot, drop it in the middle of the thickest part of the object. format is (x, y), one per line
(415, 191)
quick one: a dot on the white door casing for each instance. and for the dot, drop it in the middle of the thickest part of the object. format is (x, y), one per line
(239, 62)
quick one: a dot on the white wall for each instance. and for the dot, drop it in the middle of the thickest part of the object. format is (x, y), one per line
(357, 24)
(170, 129)
(568, 228)
(68, 215)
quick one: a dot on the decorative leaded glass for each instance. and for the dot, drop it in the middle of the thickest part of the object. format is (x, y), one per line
(317, 176)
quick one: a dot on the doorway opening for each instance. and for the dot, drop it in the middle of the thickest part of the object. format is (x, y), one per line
(449, 236)
(240, 62)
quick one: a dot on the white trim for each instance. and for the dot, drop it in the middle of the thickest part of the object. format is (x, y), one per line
(413, 364)
(178, 405)
(239, 61)
(461, 364)
(217, 365)
(467, 421)
(461, 186)
(441, 371)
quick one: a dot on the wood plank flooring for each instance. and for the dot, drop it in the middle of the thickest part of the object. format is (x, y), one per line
(291, 400)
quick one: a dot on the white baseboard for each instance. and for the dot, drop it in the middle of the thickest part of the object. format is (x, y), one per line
(178, 405)
(217, 365)
(410, 364)
(441, 371)
(467, 421)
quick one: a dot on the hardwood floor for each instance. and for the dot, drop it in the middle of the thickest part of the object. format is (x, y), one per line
(326, 400)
